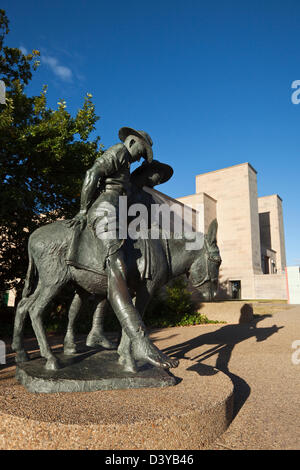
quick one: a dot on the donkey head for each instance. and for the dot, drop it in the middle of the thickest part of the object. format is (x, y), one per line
(204, 271)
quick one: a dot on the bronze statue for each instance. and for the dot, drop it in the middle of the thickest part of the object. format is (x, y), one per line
(91, 252)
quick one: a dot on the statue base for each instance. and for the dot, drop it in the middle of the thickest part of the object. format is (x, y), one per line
(89, 371)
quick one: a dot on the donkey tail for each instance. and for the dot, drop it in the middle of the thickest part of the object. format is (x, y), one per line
(23, 308)
(31, 277)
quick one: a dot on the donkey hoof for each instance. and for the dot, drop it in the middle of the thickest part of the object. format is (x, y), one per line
(128, 364)
(52, 364)
(22, 356)
(96, 341)
(70, 350)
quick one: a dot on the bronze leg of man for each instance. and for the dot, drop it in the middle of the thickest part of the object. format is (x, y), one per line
(119, 297)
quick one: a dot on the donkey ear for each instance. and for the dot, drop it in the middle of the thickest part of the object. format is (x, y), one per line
(212, 232)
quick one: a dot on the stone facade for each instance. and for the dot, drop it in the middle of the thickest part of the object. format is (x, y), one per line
(250, 232)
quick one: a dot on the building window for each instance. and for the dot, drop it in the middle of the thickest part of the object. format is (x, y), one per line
(235, 287)
(273, 267)
(265, 264)
(265, 229)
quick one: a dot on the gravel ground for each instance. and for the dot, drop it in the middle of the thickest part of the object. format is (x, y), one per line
(255, 360)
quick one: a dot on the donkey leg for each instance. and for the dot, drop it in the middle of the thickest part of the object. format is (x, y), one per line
(143, 297)
(127, 351)
(96, 336)
(18, 341)
(36, 315)
(118, 295)
(69, 341)
(125, 356)
(124, 350)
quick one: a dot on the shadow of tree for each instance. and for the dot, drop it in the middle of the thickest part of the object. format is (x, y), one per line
(223, 342)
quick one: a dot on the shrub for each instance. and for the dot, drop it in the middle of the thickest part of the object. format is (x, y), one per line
(173, 306)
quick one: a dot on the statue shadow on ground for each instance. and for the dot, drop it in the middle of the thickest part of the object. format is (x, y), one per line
(223, 342)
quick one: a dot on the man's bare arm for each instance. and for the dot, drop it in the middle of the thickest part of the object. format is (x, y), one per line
(89, 187)
(88, 190)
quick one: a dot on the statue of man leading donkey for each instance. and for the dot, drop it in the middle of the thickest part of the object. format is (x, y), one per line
(91, 253)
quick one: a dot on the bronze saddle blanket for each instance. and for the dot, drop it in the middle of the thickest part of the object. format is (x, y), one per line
(85, 252)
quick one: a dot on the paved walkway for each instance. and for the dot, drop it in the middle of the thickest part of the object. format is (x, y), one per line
(258, 359)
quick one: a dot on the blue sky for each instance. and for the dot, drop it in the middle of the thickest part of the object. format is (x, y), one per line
(210, 81)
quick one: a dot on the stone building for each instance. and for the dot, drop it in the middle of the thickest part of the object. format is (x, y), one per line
(250, 232)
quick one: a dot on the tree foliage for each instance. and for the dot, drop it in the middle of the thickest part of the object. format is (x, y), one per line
(44, 154)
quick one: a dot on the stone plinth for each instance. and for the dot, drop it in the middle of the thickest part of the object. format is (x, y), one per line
(87, 372)
(189, 415)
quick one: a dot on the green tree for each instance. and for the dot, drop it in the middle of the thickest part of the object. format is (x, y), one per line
(44, 154)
